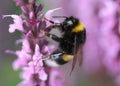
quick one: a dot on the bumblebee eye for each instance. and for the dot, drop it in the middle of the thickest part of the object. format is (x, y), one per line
(69, 22)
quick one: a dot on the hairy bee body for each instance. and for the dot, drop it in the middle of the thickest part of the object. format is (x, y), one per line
(74, 35)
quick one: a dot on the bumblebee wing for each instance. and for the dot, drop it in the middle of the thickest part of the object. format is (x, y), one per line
(78, 53)
(76, 47)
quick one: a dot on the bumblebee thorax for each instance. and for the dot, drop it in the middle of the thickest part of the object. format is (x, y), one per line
(69, 23)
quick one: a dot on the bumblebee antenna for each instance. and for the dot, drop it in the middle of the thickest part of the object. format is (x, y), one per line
(59, 16)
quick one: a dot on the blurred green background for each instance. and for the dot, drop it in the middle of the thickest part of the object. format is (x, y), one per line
(8, 77)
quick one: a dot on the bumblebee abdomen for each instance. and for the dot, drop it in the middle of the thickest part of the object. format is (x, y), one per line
(81, 37)
(67, 45)
(59, 58)
(65, 58)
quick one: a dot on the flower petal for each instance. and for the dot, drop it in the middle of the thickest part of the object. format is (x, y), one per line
(42, 75)
(18, 23)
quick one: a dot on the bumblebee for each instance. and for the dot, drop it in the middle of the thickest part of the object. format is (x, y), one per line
(72, 39)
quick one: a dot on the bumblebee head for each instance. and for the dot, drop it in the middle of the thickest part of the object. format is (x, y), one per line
(69, 22)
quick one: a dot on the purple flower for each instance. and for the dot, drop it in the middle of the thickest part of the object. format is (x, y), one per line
(35, 46)
(109, 39)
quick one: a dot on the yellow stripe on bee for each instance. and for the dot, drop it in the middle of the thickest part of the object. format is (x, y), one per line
(78, 28)
(67, 57)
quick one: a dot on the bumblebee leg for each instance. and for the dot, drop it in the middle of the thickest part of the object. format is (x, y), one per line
(54, 24)
(54, 37)
(49, 20)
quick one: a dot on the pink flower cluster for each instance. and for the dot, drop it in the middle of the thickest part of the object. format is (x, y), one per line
(35, 46)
